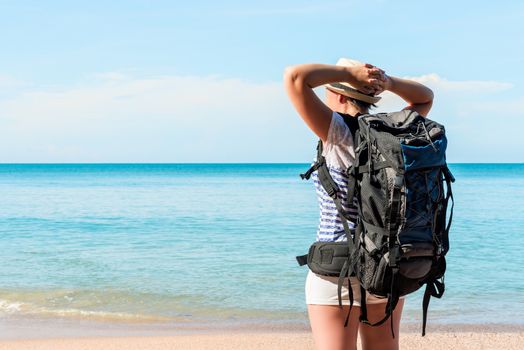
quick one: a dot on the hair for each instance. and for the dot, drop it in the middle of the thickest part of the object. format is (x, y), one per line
(364, 106)
(359, 104)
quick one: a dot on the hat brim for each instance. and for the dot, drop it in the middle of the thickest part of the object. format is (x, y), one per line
(354, 93)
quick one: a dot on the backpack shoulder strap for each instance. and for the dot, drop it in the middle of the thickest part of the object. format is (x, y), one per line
(332, 189)
(327, 182)
(352, 123)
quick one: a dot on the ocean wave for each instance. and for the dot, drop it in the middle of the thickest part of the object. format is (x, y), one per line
(125, 306)
(101, 315)
(9, 308)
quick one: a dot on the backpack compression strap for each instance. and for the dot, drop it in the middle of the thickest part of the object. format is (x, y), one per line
(436, 288)
(449, 178)
(433, 289)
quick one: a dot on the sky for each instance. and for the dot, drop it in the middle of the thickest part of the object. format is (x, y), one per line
(201, 81)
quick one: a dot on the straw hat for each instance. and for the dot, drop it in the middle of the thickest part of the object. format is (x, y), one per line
(347, 89)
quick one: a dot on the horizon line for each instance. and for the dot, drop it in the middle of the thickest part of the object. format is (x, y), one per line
(201, 163)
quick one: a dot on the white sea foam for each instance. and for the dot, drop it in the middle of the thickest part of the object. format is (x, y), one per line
(19, 308)
(99, 315)
(9, 307)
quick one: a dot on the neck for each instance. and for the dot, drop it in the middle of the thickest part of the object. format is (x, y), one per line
(348, 109)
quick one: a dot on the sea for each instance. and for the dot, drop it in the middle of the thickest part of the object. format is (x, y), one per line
(216, 243)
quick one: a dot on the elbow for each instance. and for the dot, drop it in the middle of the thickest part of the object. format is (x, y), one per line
(430, 97)
(294, 78)
(290, 75)
(425, 99)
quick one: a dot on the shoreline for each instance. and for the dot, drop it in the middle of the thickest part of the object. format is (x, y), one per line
(19, 328)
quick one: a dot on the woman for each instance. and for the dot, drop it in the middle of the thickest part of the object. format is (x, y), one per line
(351, 90)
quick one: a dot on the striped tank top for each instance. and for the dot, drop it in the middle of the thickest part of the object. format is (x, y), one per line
(340, 154)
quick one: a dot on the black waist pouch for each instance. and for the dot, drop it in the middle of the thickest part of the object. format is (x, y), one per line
(327, 258)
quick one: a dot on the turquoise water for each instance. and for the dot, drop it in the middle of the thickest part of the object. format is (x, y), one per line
(194, 243)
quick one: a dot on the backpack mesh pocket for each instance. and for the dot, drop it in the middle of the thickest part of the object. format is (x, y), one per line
(373, 274)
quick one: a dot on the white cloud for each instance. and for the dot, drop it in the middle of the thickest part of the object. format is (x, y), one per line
(171, 118)
(7, 81)
(10, 86)
(461, 98)
(115, 117)
(468, 86)
(509, 108)
(476, 115)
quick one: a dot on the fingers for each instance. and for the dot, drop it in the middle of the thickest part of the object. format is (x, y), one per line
(372, 86)
(372, 79)
(376, 83)
(375, 72)
(382, 86)
(367, 90)
(378, 91)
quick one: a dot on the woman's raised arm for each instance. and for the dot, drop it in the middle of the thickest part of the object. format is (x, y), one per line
(300, 81)
(419, 97)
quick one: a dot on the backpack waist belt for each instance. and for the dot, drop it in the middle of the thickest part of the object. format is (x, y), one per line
(326, 258)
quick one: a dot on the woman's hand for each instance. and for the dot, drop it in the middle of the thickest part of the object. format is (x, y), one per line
(384, 84)
(370, 79)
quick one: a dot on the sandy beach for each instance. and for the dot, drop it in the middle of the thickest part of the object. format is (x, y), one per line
(95, 335)
(255, 341)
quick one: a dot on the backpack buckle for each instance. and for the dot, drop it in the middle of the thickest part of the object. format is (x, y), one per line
(313, 168)
(448, 174)
(331, 192)
(399, 181)
(440, 250)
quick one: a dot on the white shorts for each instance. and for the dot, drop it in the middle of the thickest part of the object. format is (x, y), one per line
(323, 290)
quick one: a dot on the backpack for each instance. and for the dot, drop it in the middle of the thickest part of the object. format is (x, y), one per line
(402, 185)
